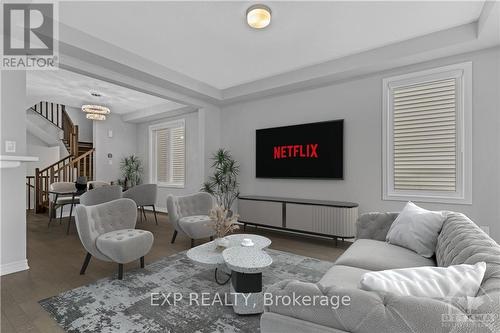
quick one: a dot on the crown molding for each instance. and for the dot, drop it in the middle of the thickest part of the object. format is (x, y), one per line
(135, 72)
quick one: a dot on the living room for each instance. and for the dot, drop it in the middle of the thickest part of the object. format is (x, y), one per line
(273, 146)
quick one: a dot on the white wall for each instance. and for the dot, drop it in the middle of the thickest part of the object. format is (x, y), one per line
(84, 125)
(46, 154)
(194, 160)
(121, 144)
(359, 102)
(12, 180)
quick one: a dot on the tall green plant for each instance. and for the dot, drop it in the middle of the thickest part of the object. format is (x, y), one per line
(223, 185)
(131, 168)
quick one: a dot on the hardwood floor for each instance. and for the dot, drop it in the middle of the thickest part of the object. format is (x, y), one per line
(55, 260)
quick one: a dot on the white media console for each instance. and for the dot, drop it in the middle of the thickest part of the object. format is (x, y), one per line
(318, 217)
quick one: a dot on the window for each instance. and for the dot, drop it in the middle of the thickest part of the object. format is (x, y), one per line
(167, 154)
(427, 118)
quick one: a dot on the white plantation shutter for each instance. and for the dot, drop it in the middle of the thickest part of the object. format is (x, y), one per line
(168, 154)
(178, 155)
(162, 155)
(425, 136)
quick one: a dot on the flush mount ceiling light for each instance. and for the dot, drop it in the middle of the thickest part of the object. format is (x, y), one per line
(96, 116)
(96, 109)
(258, 16)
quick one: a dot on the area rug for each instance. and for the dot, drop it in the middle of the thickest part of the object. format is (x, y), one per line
(111, 305)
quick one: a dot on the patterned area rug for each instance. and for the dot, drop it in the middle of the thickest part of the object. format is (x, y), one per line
(111, 305)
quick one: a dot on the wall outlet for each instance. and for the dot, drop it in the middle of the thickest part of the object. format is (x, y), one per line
(10, 146)
(110, 133)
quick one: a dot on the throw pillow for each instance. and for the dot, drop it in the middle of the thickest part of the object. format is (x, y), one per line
(436, 282)
(416, 229)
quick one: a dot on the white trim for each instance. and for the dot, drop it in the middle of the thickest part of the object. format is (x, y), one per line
(168, 124)
(13, 161)
(13, 267)
(462, 72)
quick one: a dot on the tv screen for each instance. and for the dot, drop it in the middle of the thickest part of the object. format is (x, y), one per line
(312, 150)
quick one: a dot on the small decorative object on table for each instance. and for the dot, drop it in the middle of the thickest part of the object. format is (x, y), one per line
(247, 242)
(223, 225)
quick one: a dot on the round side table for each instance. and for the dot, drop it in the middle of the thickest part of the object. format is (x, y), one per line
(247, 265)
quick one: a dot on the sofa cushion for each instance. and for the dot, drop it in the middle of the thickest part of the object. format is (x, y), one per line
(461, 241)
(436, 282)
(342, 276)
(376, 255)
(416, 229)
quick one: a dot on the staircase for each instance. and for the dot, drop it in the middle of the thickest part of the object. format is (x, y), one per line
(79, 162)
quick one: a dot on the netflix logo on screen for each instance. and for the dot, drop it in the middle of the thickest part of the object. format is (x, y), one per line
(313, 150)
(296, 151)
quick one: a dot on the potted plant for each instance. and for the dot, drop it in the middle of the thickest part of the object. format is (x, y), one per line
(131, 168)
(223, 185)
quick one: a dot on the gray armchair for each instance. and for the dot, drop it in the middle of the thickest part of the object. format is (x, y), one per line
(144, 196)
(107, 232)
(101, 195)
(189, 215)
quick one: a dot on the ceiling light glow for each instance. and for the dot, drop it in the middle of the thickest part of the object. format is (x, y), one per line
(96, 109)
(258, 16)
(96, 116)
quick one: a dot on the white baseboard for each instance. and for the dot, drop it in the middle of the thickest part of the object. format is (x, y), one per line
(13, 267)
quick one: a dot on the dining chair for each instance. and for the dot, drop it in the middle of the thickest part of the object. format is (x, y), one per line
(95, 184)
(62, 194)
(144, 195)
(100, 195)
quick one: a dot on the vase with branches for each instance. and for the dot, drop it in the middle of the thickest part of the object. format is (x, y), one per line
(223, 184)
(224, 224)
(131, 168)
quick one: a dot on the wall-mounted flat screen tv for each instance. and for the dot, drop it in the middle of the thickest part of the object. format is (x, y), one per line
(314, 150)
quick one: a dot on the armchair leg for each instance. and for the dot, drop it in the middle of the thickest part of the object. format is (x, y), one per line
(142, 262)
(144, 213)
(192, 242)
(140, 213)
(154, 211)
(211, 238)
(173, 237)
(120, 271)
(85, 263)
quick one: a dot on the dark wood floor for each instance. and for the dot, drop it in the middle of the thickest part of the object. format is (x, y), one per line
(55, 260)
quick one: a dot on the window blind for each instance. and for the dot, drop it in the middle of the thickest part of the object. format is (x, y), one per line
(162, 155)
(170, 155)
(178, 155)
(425, 136)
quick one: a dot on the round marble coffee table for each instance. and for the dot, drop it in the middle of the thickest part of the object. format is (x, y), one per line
(247, 265)
(210, 256)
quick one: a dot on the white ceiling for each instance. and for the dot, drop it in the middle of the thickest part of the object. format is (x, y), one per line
(73, 89)
(210, 42)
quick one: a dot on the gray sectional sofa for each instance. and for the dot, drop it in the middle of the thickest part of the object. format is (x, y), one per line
(460, 242)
